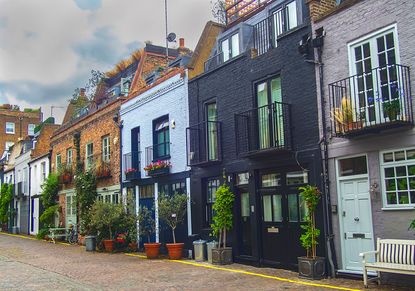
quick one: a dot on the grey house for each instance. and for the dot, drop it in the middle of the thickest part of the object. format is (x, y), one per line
(366, 117)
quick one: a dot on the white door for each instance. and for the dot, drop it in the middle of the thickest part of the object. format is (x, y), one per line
(356, 218)
(70, 210)
(34, 220)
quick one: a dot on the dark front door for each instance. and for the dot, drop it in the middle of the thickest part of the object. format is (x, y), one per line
(147, 200)
(246, 217)
(282, 213)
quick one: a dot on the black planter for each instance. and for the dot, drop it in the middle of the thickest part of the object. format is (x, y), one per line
(159, 172)
(309, 268)
(222, 256)
(132, 176)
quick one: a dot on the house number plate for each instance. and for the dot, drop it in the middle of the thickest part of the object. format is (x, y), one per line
(273, 230)
(359, 235)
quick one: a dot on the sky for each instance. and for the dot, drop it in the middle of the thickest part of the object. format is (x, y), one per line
(49, 47)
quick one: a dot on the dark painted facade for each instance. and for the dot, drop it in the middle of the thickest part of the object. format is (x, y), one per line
(265, 178)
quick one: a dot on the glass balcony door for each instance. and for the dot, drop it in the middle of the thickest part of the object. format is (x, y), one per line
(212, 131)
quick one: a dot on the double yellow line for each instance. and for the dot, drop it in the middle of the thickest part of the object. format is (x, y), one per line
(304, 283)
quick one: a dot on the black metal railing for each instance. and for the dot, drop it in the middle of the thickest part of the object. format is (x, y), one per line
(266, 32)
(157, 152)
(238, 9)
(264, 128)
(132, 165)
(214, 62)
(376, 99)
(203, 143)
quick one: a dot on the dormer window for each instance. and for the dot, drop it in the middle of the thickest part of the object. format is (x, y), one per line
(230, 47)
(284, 19)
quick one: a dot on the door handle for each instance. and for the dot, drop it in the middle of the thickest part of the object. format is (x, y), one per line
(356, 219)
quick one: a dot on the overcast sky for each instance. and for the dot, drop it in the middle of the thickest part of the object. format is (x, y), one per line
(49, 47)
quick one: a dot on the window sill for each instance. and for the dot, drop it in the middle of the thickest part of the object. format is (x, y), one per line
(163, 158)
(398, 208)
(10, 133)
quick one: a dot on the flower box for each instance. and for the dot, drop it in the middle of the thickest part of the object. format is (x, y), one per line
(132, 175)
(159, 172)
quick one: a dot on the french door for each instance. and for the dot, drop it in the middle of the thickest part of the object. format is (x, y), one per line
(377, 77)
(212, 130)
(270, 114)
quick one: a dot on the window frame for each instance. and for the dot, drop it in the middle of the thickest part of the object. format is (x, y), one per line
(43, 171)
(89, 157)
(209, 202)
(284, 24)
(58, 161)
(405, 163)
(7, 127)
(29, 131)
(69, 157)
(106, 149)
(229, 39)
(156, 155)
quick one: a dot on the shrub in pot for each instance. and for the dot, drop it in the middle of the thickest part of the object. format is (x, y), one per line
(222, 223)
(104, 216)
(147, 227)
(172, 210)
(310, 266)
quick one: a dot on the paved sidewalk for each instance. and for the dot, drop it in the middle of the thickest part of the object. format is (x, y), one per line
(27, 264)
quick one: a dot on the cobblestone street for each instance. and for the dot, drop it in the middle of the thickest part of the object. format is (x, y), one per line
(28, 264)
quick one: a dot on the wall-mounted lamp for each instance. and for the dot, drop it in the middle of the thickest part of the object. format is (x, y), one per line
(173, 124)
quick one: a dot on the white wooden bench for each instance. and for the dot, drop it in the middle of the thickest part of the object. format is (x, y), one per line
(57, 233)
(392, 256)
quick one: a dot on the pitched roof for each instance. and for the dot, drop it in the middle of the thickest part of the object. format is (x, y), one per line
(42, 146)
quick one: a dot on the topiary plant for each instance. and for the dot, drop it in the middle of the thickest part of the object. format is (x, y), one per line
(172, 210)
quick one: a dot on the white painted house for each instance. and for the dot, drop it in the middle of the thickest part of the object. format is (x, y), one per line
(154, 129)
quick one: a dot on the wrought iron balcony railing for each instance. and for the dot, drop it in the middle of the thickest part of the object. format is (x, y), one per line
(132, 165)
(157, 152)
(264, 128)
(204, 143)
(372, 101)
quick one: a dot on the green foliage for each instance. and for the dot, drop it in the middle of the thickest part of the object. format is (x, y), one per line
(86, 193)
(50, 189)
(311, 196)
(412, 225)
(147, 225)
(6, 196)
(42, 233)
(223, 209)
(106, 218)
(392, 108)
(48, 216)
(172, 210)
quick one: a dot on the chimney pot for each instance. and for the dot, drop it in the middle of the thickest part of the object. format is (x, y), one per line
(181, 42)
(82, 92)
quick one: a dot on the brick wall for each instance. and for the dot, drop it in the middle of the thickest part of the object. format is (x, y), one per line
(21, 126)
(319, 8)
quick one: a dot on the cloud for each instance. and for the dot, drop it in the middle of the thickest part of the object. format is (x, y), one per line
(88, 4)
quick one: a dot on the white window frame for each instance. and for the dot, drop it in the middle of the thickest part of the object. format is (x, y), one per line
(58, 161)
(12, 126)
(394, 164)
(69, 157)
(43, 171)
(232, 52)
(89, 156)
(106, 149)
(31, 129)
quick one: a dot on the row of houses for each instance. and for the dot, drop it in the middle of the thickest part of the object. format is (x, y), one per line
(286, 93)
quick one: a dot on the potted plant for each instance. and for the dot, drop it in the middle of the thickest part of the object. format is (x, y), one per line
(130, 173)
(222, 223)
(172, 210)
(392, 109)
(343, 117)
(310, 266)
(158, 168)
(147, 226)
(103, 217)
(412, 225)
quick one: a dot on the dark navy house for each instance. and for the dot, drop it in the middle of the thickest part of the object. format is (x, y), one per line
(254, 120)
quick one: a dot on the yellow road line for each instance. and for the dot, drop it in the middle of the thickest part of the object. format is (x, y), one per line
(32, 238)
(254, 274)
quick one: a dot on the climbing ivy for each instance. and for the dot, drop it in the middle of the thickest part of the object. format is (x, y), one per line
(49, 198)
(86, 192)
(6, 196)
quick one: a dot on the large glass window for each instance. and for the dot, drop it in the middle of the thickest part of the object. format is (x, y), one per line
(212, 128)
(212, 187)
(58, 162)
(10, 128)
(106, 152)
(161, 147)
(89, 155)
(284, 19)
(69, 157)
(353, 166)
(31, 129)
(230, 47)
(398, 173)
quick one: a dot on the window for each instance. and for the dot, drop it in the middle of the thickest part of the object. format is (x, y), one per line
(398, 175)
(161, 148)
(353, 166)
(43, 171)
(230, 47)
(147, 191)
(10, 127)
(8, 145)
(58, 162)
(170, 189)
(284, 19)
(212, 187)
(212, 128)
(69, 157)
(272, 208)
(89, 155)
(297, 178)
(106, 153)
(31, 129)
(271, 180)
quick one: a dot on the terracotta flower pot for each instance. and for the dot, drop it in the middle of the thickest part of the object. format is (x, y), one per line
(175, 251)
(108, 245)
(152, 250)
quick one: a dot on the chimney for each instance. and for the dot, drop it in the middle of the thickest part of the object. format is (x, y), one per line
(82, 92)
(182, 49)
(181, 43)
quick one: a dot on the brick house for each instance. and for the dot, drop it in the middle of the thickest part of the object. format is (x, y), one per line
(95, 123)
(16, 124)
(366, 51)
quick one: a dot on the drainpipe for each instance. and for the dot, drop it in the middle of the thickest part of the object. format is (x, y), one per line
(325, 165)
(30, 204)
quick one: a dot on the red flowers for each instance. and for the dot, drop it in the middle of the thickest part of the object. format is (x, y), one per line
(130, 170)
(157, 165)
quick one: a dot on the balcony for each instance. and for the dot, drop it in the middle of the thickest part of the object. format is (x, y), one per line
(204, 143)
(156, 157)
(65, 173)
(263, 129)
(237, 10)
(131, 166)
(370, 102)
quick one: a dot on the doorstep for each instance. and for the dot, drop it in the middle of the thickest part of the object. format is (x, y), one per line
(354, 273)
